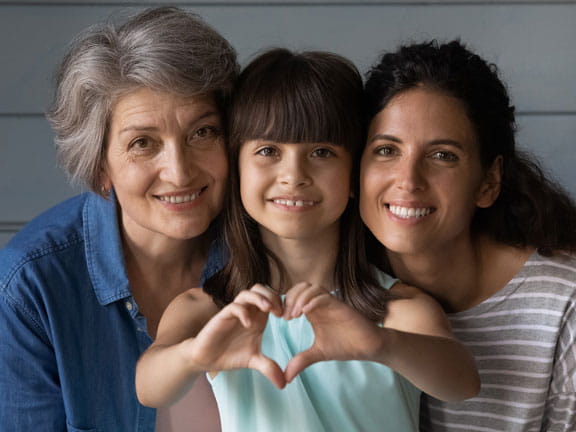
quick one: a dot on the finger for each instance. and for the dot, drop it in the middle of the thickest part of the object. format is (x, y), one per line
(318, 301)
(272, 296)
(240, 312)
(270, 369)
(253, 298)
(300, 362)
(292, 297)
(304, 297)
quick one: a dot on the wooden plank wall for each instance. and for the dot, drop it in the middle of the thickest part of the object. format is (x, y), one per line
(533, 42)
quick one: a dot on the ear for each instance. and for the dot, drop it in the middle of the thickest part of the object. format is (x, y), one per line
(491, 185)
(105, 182)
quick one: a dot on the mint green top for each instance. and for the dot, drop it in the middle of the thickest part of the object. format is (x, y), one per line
(327, 396)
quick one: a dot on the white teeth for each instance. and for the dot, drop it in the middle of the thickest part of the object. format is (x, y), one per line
(406, 213)
(291, 203)
(180, 198)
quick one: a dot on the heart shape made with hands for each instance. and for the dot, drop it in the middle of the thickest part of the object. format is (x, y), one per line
(340, 332)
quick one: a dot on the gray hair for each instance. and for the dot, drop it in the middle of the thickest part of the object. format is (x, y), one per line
(165, 49)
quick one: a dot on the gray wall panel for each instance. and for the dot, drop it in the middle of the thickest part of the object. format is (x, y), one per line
(30, 180)
(511, 35)
(552, 139)
(4, 238)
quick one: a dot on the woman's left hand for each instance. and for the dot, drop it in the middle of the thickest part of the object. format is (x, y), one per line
(340, 332)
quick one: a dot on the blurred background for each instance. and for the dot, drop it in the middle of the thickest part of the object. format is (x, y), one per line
(532, 42)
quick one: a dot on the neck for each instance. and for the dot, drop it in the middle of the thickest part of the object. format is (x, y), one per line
(461, 277)
(310, 260)
(161, 269)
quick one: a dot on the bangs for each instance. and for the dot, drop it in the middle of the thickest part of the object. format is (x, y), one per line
(290, 100)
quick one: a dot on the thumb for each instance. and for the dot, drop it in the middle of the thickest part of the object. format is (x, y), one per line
(300, 362)
(270, 369)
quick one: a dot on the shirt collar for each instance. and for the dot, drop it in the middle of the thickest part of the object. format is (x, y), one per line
(103, 248)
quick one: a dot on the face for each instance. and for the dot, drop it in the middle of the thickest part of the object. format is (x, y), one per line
(421, 178)
(166, 161)
(296, 191)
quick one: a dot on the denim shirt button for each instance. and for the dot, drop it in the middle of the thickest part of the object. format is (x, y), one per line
(129, 305)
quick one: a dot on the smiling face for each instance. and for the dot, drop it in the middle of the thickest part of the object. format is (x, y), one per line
(165, 159)
(294, 190)
(421, 178)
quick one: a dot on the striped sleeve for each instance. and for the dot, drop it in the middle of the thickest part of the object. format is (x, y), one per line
(560, 410)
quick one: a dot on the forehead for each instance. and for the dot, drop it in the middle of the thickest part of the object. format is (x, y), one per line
(426, 114)
(148, 104)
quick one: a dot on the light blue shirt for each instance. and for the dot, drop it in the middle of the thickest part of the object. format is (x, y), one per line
(70, 330)
(327, 396)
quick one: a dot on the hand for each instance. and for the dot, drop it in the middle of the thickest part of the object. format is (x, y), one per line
(341, 333)
(232, 338)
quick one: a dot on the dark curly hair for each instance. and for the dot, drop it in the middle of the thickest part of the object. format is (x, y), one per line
(531, 210)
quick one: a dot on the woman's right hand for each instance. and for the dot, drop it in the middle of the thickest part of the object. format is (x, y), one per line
(232, 338)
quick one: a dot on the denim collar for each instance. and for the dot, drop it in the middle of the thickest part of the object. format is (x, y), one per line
(103, 248)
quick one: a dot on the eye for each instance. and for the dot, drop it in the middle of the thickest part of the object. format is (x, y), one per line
(322, 153)
(142, 143)
(206, 132)
(385, 151)
(446, 156)
(267, 151)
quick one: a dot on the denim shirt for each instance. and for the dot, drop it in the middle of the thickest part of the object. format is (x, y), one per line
(70, 330)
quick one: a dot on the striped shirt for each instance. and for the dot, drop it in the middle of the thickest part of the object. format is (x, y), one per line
(523, 339)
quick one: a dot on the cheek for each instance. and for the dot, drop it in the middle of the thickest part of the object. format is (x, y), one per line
(248, 187)
(370, 182)
(218, 165)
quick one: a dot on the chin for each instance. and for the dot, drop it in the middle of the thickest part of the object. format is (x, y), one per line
(187, 233)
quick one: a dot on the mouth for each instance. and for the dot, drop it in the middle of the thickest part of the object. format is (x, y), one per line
(181, 198)
(410, 212)
(294, 203)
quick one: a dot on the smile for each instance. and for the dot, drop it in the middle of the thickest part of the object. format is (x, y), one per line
(294, 203)
(179, 199)
(409, 212)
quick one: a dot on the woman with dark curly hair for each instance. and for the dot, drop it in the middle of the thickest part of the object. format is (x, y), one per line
(459, 212)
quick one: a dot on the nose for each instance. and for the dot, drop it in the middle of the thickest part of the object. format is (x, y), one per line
(294, 171)
(177, 166)
(410, 175)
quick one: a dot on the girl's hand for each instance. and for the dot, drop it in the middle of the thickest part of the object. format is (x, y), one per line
(341, 333)
(231, 339)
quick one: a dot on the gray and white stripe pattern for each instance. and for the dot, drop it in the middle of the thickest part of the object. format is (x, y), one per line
(524, 342)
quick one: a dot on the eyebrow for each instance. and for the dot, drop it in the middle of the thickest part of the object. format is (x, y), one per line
(143, 128)
(441, 141)
(385, 137)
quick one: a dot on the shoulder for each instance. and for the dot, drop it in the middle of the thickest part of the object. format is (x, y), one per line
(561, 265)
(548, 280)
(412, 310)
(186, 315)
(48, 248)
(56, 226)
(194, 298)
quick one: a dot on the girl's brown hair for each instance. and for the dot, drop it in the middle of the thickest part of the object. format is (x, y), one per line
(288, 97)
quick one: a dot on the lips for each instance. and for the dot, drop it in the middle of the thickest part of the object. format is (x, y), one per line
(180, 198)
(294, 203)
(410, 212)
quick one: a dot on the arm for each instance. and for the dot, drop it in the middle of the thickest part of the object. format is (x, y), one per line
(560, 409)
(418, 344)
(164, 372)
(194, 337)
(29, 385)
(415, 341)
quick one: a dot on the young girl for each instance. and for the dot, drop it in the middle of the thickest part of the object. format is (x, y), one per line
(296, 293)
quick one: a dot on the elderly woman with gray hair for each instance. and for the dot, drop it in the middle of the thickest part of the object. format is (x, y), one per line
(138, 120)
